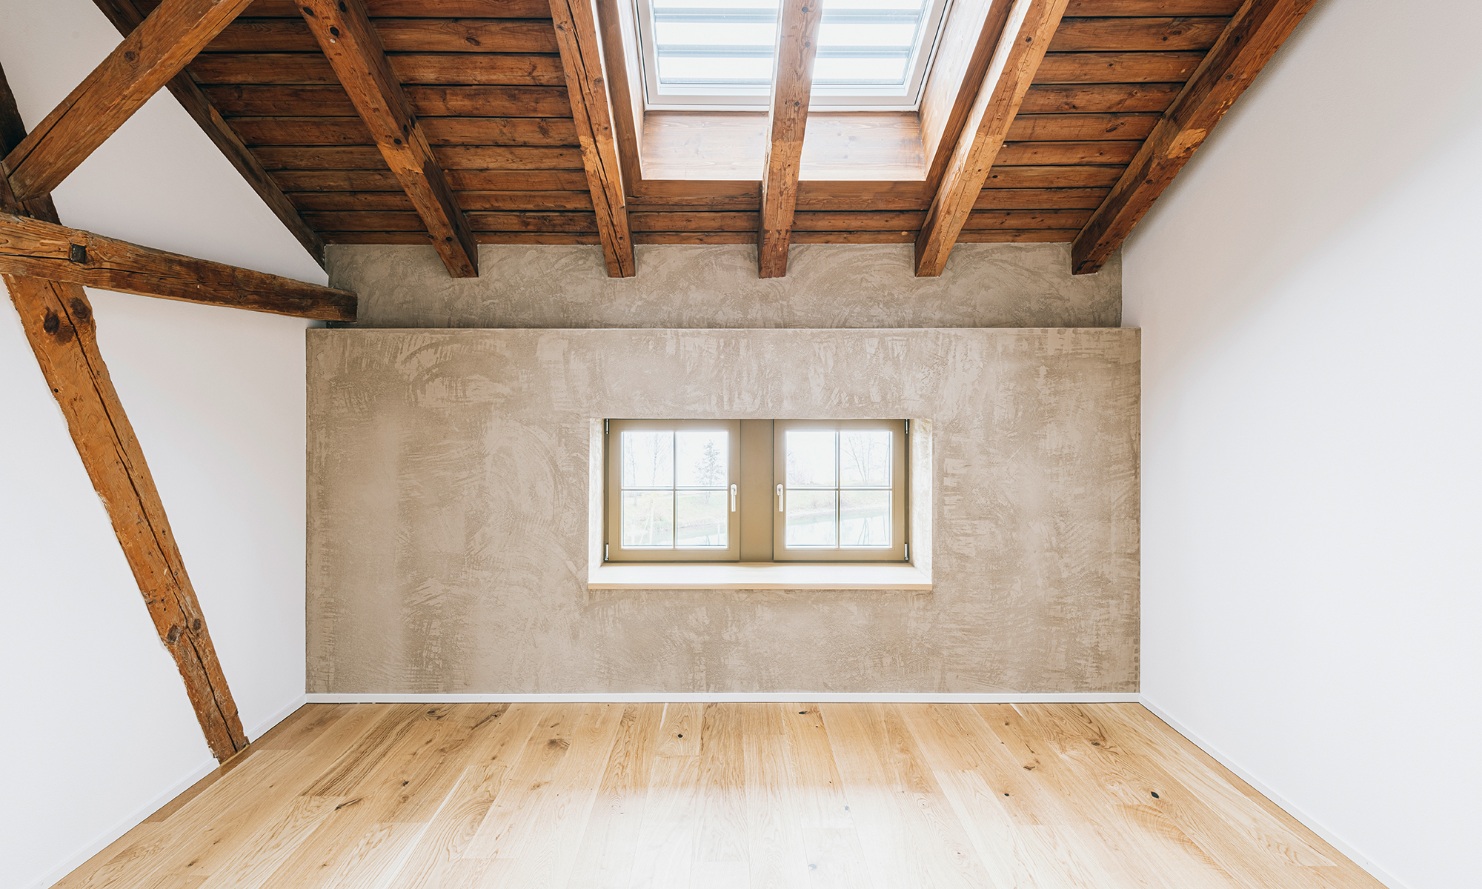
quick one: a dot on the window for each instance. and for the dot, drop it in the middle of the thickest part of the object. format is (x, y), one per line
(756, 491)
(719, 53)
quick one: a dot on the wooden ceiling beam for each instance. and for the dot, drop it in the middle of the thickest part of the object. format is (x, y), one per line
(148, 58)
(126, 16)
(787, 120)
(41, 249)
(591, 109)
(1021, 47)
(59, 324)
(348, 39)
(1253, 36)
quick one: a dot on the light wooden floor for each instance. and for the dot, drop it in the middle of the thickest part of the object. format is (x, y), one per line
(721, 795)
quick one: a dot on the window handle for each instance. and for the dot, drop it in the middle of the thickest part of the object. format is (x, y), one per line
(779, 498)
(733, 498)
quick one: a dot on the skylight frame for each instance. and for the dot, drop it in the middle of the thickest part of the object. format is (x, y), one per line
(835, 97)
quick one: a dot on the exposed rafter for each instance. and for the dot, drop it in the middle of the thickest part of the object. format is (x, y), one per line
(1021, 48)
(147, 59)
(348, 39)
(41, 249)
(591, 109)
(792, 83)
(126, 16)
(1253, 36)
(58, 321)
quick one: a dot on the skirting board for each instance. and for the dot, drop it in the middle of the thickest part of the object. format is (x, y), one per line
(811, 697)
(1261, 787)
(129, 822)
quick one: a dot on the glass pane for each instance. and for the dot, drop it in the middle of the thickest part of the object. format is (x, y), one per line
(811, 519)
(729, 43)
(703, 519)
(702, 458)
(648, 519)
(864, 518)
(728, 71)
(864, 458)
(810, 458)
(648, 458)
(860, 71)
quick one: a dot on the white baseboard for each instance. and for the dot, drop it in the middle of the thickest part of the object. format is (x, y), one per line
(789, 697)
(133, 819)
(1309, 822)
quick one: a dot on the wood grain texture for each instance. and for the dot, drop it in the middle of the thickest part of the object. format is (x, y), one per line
(420, 35)
(353, 48)
(147, 59)
(1253, 36)
(591, 109)
(963, 54)
(126, 15)
(787, 120)
(59, 324)
(1021, 47)
(40, 249)
(935, 796)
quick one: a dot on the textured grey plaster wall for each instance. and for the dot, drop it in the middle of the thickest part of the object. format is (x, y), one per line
(448, 482)
(984, 285)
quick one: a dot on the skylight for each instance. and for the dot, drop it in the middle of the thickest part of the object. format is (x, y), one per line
(719, 53)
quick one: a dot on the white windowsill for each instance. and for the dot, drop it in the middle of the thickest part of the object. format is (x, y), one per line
(757, 576)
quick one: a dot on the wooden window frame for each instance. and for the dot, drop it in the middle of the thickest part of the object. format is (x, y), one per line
(899, 489)
(615, 551)
(757, 530)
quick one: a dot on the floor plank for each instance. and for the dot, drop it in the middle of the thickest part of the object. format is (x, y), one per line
(783, 796)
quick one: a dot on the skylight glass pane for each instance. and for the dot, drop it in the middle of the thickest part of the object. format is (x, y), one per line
(719, 48)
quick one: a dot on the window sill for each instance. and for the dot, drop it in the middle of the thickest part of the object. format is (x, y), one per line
(756, 576)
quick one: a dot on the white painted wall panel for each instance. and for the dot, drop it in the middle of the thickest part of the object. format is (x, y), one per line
(1310, 299)
(95, 728)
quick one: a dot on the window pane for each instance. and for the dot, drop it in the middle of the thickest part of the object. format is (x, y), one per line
(860, 71)
(864, 518)
(703, 519)
(648, 459)
(648, 519)
(702, 458)
(864, 458)
(810, 458)
(726, 46)
(811, 519)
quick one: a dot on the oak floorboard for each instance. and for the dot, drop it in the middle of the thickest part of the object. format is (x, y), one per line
(781, 796)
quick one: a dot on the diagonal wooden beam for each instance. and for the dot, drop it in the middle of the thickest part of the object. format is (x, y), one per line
(591, 108)
(58, 321)
(40, 249)
(354, 49)
(146, 60)
(127, 16)
(1021, 47)
(792, 83)
(1256, 32)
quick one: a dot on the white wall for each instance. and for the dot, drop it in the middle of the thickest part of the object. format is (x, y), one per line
(95, 728)
(1310, 300)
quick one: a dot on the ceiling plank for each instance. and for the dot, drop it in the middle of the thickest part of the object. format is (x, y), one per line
(126, 16)
(58, 322)
(1021, 48)
(354, 50)
(1257, 31)
(792, 83)
(591, 108)
(41, 249)
(147, 59)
